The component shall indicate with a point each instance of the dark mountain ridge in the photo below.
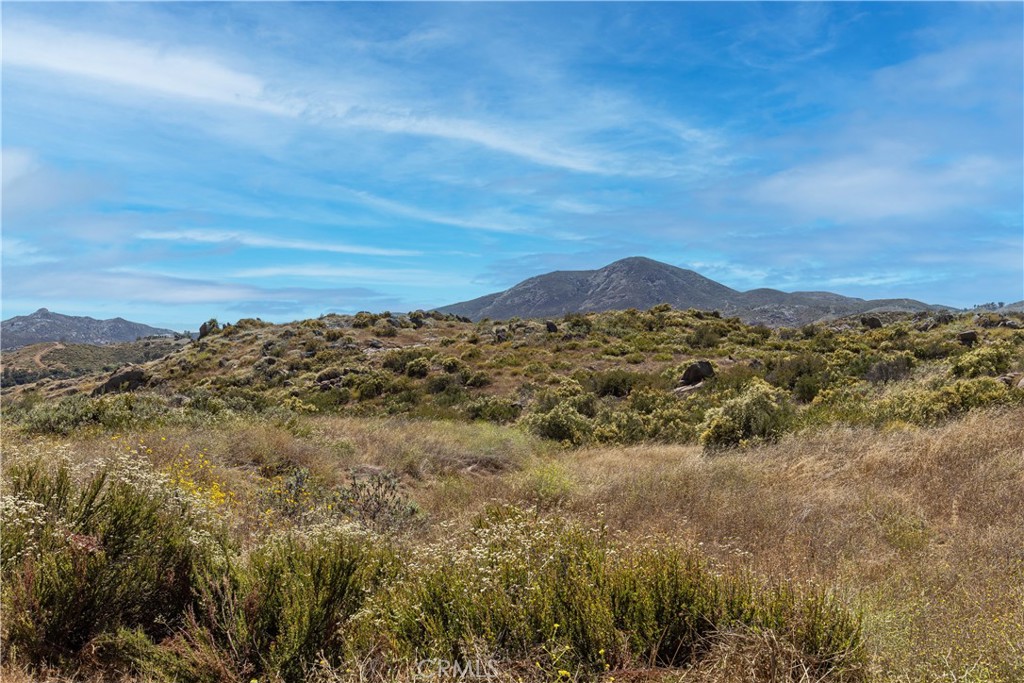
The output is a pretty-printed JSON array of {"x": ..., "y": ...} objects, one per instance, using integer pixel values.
[
  {"x": 641, "y": 283},
  {"x": 46, "y": 326}
]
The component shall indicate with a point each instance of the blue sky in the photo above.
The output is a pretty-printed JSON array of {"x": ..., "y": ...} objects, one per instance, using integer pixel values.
[{"x": 171, "y": 162}]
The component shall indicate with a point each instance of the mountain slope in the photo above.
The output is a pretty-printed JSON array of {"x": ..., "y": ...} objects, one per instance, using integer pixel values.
[
  {"x": 641, "y": 283},
  {"x": 630, "y": 283},
  {"x": 46, "y": 326}
]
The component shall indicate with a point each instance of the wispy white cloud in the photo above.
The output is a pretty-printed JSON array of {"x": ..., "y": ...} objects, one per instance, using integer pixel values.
[
  {"x": 136, "y": 65},
  {"x": 408, "y": 276},
  {"x": 248, "y": 239},
  {"x": 551, "y": 139},
  {"x": 137, "y": 287},
  {"x": 891, "y": 277},
  {"x": 19, "y": 252},
  {"x": 30, "y": 184},
  {"x": 784, "y": 34},
  {"x": 495, "y": 221},
  {"x": 16, "y": 164},
  {"x": 498, "y": 138},
  {"x": 880, "y": 185}
]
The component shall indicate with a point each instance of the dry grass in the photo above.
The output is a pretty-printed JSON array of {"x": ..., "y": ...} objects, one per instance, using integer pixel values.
[{"x": 922, "y": 528}]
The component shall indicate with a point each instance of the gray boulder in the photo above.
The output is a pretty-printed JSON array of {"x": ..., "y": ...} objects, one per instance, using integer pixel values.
[
  {"x": 968, "y": 338},
  {"x": 697, "y": 373},
  {"x": 871, "y": 322}
]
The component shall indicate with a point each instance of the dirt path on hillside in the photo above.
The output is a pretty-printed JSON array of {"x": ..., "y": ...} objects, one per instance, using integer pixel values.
[{"x": 38, "y": 358}]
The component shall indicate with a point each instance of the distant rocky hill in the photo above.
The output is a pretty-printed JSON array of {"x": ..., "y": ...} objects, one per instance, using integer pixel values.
[
  {"x": 46, "y": 326},
  {"x": 642, "y": 283}
]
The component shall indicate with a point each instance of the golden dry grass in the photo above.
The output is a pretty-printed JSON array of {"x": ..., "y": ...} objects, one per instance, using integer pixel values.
[
  {"x": 921, "y": 528},
  {"x": 925, "y": 528}
]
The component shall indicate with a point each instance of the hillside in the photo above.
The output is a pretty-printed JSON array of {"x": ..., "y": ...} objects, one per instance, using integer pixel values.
[
  {"x": 415, "y": 484},
  {"x": 913, "y": 367},
  {"x": 642, "y": 283},
  {"x": 56, "y": 360},
  {"x": 46, "y": 326}
]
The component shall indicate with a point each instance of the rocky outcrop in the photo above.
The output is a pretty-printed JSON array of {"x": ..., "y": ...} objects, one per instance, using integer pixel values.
[{"x": 126, "y": 379}]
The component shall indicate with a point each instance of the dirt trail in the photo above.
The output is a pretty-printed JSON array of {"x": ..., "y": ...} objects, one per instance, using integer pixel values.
[{"x": 38, "y": 358}]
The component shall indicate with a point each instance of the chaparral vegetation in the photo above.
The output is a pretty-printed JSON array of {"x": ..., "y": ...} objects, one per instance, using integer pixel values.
[{"x": 637, "y": 495}]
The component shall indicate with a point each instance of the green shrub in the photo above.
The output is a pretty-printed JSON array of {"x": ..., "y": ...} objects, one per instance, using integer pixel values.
[
  {"x": 577, "y": 324},
  {"x": 803, "y": 373},
  {"x": 984, "y": 360},
  {"x": 452, "y": 365},
  {"x": 760, "y": 413},
  {"x": 382, "y": 328},
  {"x": 704, "y": 336},
  {"x": 733, "y": 379},
  {"x": 562, "y": 423},
  {"x": 117, "y": 550},
  {"x": 111, "y": 411},
  {"x": 478, "y": 380},
  {"x": 418, "y": 368},
  {"x": 648, "y": 415},
  {"x": 494, "y": 409},
  {"x": 930, "y": 406},
  {"x": 618, "y": 383},
  {"x": 279, "y": 611},
  {"x": 562, "y": 596},
  {"x": 363, "y": 319},
  {"x": 890, "y": 367},
  {"x": 368, "y": 385},
  {"x": 397, "y": 360}
]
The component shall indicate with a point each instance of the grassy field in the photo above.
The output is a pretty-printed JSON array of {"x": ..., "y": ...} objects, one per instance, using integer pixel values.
[{"x": 846, "y": 508}]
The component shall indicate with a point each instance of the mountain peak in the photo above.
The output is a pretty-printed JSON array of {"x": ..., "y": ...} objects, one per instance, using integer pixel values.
[
  {"x": 45, "y": 325},
  {"x": 635, "y": 261},
  {"x": 641, "y": 282}
]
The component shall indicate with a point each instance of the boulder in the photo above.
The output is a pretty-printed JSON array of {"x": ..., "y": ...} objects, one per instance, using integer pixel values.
[
  {"x": 697, "y": 373},
  {"x": 989, "y": 320},
  {"x": 1020, "y": 383},
  {"x": 128, "y": 379},
  {"x": 968, "y": 338},
  {"x": 871, "y": 322}
]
